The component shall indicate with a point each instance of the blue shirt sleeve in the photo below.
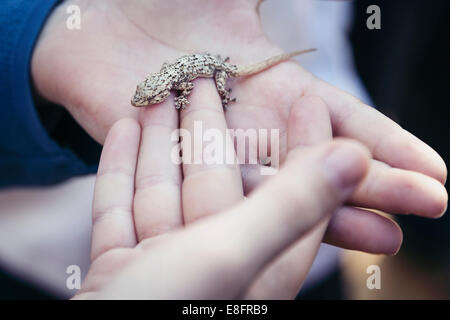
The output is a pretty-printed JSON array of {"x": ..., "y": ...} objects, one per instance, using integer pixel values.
[{"x": 28, "y": 155}]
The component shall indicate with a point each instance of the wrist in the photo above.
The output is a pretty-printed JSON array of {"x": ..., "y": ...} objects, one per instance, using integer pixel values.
[{"x": 43, "y": 64}]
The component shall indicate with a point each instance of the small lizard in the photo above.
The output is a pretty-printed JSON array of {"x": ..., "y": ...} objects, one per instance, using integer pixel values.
[{"x": 179, "y": 76}]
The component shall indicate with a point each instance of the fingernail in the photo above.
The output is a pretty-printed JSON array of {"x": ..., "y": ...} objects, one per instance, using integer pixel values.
[
  {"x": 395, "y": 237},
  {"x": 345, "y": 167}
]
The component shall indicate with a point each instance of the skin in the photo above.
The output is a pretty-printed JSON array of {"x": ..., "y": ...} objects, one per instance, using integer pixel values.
[
  {"x": 95, "y": 71},
  {"x": 222, "y": 255}
]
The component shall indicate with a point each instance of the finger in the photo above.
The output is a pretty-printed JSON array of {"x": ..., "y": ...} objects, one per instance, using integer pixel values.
[
  {"x": 308, "y": 124},
  {"x": 392, "y": 190},
  {"x": 387, "y": 141},
  {"x": 212, "y": 180},
  {"x": 252, "y": 177},
  {"x": 112, "y": 225},
  {"x": 284, "y": 276},
  {"x": 370, "y": 233},
  {"x": 363, "y": 230},
  {"x": 157, "y": 203},
  {"x": 399, "y": 191}
]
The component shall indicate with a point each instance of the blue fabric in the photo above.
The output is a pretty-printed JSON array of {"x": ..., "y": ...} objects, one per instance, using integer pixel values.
[{"x": 28, "y": 156}]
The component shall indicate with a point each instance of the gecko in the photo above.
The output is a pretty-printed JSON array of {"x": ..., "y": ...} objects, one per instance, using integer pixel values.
[{"x": 179, "y": 76}]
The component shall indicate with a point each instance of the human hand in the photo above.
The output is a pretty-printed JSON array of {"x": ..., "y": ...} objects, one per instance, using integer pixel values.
[
  {"x": 147, "y": 239},
  {"x": 95, "y": 70},
  {"x": 120, "y": 42}
]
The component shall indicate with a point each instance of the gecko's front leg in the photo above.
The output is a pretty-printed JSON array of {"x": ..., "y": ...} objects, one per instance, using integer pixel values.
[
  {"x": 184, "y": 89},
  {"x": 221, "y": 78}
]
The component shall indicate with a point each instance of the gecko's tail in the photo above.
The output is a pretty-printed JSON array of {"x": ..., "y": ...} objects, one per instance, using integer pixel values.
[{"x": 263, "y": 65}]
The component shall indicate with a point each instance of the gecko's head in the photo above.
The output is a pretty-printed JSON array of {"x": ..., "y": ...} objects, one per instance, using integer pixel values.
[{"x": 149, "y": 92}]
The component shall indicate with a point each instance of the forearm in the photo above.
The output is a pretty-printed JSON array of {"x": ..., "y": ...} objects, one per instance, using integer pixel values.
[{"x": 28, "y": 155}]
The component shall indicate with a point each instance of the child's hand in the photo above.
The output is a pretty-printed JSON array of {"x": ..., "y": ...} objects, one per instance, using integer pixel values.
[
  {"x": 145, "y": 243},
  {"x": 95, "y": 71}
]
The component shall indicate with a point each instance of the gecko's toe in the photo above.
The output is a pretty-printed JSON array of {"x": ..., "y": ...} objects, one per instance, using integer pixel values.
[{"x": 181, "y": 102}]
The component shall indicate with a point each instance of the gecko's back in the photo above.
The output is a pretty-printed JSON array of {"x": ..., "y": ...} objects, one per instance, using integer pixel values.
[
  {"x": 189, "y": 67},
  {"x": 180, "y": 74}
]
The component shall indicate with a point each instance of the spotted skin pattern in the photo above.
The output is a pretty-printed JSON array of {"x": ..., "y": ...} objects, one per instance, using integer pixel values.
[{"x": 179, "y": 76}]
